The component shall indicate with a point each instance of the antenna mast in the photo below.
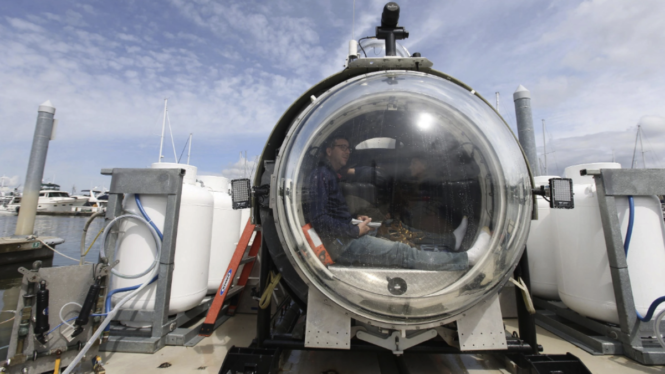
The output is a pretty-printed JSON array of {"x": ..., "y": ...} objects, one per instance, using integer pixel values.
[
  {"x": 497, "y": 102},
  {"x": 161, "y": 142},
  {"x": 189, "y": 152},
  {"x": 641, "y": 146},
  {"x": 544, "y": 147},
  {"x": 637, "y": 136}
]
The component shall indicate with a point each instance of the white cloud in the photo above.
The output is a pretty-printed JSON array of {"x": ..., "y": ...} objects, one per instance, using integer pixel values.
[
  {"x": 129, "y": 38},
  {"x": 12, "y": 181},
  {"x": 287, "y": 42},
  {"x": 243, "y": 168},
  {"x": 22, "y": 25},
  {"x": 230, "y": 71},
  {"x": 611, "y": 33}
]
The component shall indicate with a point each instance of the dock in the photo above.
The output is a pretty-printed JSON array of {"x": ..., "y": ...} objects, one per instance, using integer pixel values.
[{"x": 21, "y": 249}]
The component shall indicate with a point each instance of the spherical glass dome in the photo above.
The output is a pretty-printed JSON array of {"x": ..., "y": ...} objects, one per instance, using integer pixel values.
[{"x": 439, "y": 174}]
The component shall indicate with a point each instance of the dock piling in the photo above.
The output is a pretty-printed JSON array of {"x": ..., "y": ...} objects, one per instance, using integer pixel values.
[{"x": 33, "y": 179}]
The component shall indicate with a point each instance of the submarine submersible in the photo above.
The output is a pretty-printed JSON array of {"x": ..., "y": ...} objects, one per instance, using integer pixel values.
[{"x": 437, "y": 171}]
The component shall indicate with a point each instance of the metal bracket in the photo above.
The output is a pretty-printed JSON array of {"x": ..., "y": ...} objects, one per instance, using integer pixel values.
[
  {"x": 481, "y": 327},
  {"x": 31, "y": 275},
  {"x": 391, "y": 62},
  {"x": 326, "y": 326},
  {"x": 106, "y": 269},
  {"x": 448, "y": 335},
  {"x": 398, "y": 341}
]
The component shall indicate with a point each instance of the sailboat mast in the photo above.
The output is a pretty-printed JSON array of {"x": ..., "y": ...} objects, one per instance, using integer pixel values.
[
  {"x": 161, "y": 142},
  {"x": 641, "y": 146},
  {"x": 637, "y": 136},
  {"x": 544, "y": 147},
  {"x": 189, "y": 152}
]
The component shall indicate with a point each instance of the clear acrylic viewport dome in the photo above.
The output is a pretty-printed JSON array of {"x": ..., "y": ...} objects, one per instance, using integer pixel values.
[
  {"x": 427, "y": 155},
  {"x": 377, "y": 48}
]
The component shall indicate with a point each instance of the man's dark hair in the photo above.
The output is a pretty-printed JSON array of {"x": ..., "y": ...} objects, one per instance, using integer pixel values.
[
  {"x": 329, "y": 143},
  {"x": 333, "y": 139}
]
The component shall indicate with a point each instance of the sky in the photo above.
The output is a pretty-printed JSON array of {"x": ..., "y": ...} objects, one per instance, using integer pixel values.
[{"x": 595, "y": 70}]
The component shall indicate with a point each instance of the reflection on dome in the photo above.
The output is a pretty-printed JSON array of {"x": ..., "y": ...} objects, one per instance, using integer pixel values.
[
  {"x": 418, "y": 156},
  {"x": 377, "y": 48}
]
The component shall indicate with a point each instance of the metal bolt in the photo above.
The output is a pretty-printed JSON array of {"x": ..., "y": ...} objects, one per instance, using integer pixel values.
[{"x": 172, "y": 326}]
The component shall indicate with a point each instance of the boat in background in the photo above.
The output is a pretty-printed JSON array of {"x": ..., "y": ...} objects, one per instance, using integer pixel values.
[
  {"x": 91, "y": 196},
  {"x": 54, "y": 201},
  {"x": 10, "y": 206}
]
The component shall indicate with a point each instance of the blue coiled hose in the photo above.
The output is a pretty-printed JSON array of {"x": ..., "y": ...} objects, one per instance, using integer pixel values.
[
  {"x": 145, "y": 215},
  {"x": 626, "y": 244},
  {"x": 126, "y": 289}
]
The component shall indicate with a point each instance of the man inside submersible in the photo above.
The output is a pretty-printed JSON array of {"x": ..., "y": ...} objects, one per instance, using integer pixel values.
[{"x": 349, "y": 244}]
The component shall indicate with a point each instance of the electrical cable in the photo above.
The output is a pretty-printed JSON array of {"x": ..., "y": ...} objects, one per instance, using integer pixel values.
[
  {"x": 63, "y": 307},
  {"x": 155, "y": 235},
  {"x": 152, "y": 270},
  {"x": 267, "y": 293},
  {"x": 107, "y": 303},
  {"x": 8, "y": 311},
  {"x": 85, "y": 232},
  {"x": 361, "y": 46},
  {"x": 91, "y": 244},
  {"x": 105, "y": 323},
  {"x": 61, "y": 254},
  {"x": 62, "y": 323},
  {"x": 110, "y": 315}
]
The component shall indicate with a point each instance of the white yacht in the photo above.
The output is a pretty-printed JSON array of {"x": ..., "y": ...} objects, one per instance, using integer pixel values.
[
  {"x": 10, "y": 206},
  {"x": 52, "y": 200},
  {"x": 91, "y": 197}
]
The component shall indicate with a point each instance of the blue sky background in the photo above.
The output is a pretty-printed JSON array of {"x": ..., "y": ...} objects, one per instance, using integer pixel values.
[{"x": 230, "y": 69}]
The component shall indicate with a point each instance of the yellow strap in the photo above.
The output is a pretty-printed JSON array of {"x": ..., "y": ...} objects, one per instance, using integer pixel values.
[
  {"x": 93, "y": 242},
  {"x": 267, "y": 294},
  {"x": 56, "y": 370}
]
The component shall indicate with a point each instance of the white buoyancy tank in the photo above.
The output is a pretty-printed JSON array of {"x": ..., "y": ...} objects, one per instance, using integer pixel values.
[
  {"x": 244, "y": 218},
  {"x": 136, "y": 248},
  {"x": 584, "y": 279},
  {"x": 225, "y": 229},
  {"x": 542, "y": 246}
]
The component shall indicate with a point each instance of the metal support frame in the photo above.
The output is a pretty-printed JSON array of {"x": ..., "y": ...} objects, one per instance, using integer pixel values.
[
  {"x": 527, "y": 342},
  {"x": 632, "y": 337},
  {"x": 166, "y": 182},
  {"x": 526, "y": 321},
  {"x": 267, "y": 347}
]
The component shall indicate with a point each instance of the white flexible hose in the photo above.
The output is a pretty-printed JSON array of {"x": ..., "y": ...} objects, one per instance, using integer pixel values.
[
  {"x": 105, "y": 323},
  {"x": 111, "y": 315},
  {"x": 63, "y": 307},
  {"x": 107, "y": 230},
  {"x": 657, "y": 322}
]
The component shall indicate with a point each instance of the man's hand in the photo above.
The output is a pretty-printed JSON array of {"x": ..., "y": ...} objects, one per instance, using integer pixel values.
[{"x": 362, "y": 226}]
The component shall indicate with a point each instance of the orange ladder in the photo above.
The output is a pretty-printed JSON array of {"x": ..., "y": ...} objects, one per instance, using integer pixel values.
[{"x": 227, "y": 287}]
